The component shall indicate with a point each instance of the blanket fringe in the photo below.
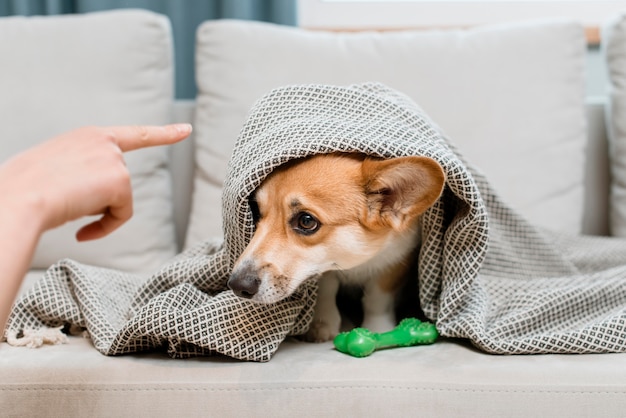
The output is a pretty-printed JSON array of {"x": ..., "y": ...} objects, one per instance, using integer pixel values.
[{"x": 34, "y": 338}]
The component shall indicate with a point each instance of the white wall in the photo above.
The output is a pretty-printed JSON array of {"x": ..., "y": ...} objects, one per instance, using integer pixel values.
[
  {"x": 448, "y": 13},
  {"x": 596, "y": 73}
]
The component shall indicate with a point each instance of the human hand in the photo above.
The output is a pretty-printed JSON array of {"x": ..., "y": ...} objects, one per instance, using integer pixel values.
[{"x": 80, "y": 173}]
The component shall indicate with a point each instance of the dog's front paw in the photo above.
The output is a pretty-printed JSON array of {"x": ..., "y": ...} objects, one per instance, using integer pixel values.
[
  {"x": 321, "y": 331},
  {"x": 379, "y": 323}
]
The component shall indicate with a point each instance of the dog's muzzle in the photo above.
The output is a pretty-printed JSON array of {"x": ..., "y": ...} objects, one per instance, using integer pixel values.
[{"x": 244, "y": 281}]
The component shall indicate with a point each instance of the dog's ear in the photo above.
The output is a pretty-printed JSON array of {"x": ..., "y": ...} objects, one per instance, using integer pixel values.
[{"x": 399, "y": 189}]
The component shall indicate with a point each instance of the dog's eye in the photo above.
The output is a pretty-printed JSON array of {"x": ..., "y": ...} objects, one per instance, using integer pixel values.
[{"x": 305, "y": 223}]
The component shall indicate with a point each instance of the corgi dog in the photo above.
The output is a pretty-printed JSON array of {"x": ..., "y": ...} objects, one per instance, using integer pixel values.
[{"x": 337, "y": 218}]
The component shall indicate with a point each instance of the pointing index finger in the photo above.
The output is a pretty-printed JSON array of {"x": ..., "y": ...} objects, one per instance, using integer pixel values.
[{"x": 130, "y": 138}]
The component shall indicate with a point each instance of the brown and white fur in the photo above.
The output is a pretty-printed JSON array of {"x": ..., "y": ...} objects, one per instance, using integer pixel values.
[{"x": 339, "y": 218}]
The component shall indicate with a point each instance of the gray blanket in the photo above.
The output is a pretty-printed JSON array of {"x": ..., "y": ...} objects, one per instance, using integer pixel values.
[{"x": 485, "y": 274}]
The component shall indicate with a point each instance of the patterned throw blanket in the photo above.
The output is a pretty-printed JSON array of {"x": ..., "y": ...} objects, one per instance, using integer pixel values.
[{"x": 485, "y": 274}]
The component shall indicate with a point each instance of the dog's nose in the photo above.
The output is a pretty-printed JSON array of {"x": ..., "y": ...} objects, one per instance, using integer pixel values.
[{"x": 244, "y": 283}]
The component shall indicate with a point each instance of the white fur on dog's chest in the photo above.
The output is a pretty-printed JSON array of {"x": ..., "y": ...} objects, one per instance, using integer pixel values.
[{"x": 395, "y": 251}]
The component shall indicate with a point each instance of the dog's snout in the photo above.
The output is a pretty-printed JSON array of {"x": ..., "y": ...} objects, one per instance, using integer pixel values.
[{"x": 244, "y": 283}]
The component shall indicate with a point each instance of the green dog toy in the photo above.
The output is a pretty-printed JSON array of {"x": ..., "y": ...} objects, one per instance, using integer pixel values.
[{"x": 361, "y": 342}]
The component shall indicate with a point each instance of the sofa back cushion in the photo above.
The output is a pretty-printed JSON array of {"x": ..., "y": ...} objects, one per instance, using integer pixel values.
[
  {"x": 112, "y": 68},
  {"x": 511, "y": 98}
]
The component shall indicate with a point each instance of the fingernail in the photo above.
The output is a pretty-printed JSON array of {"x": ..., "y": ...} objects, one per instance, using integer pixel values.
[{"x": 184, "y": 128}]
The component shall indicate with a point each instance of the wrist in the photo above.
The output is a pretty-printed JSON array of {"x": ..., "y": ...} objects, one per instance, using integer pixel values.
[
  {"x": 21, "y": 225},
  {"x": 21, "y": 216},
  {"x": 21, "y": 206}
]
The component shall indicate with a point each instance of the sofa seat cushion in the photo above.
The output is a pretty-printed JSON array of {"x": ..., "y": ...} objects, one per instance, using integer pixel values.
[
  {"x": 111, "y": 68},
  {"x": 448, "y": 379}
]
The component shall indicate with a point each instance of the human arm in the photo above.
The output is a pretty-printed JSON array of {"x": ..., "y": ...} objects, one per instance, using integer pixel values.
[{"x": 70, "y": 176}]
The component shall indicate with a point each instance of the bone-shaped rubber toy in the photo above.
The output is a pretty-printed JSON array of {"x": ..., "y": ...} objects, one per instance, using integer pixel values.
[{"x": 361, "y": 342}]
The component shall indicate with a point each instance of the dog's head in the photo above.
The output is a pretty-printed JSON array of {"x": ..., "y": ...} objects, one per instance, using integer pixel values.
[{"x": 330, "y": 212}]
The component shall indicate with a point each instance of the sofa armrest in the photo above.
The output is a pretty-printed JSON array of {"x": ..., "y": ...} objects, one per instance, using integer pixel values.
[{"x": 597, "y": 178}]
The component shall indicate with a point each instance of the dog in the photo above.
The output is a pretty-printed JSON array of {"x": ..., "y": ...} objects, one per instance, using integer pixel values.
[{"x": 337, "y": 218}]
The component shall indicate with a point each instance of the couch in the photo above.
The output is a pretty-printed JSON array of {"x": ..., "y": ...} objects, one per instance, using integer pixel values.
[{"x": 511, "y": 97}]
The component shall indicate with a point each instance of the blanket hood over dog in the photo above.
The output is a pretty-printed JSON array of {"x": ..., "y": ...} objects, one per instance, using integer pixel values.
[{"x": 484, "y": 273}]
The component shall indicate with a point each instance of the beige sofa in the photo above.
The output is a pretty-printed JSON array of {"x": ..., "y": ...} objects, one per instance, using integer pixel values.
[{"x": 512, "y": 97}]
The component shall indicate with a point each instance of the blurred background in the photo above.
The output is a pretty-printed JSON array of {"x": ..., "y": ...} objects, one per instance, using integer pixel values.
[{"x": 186, "y": 15}]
